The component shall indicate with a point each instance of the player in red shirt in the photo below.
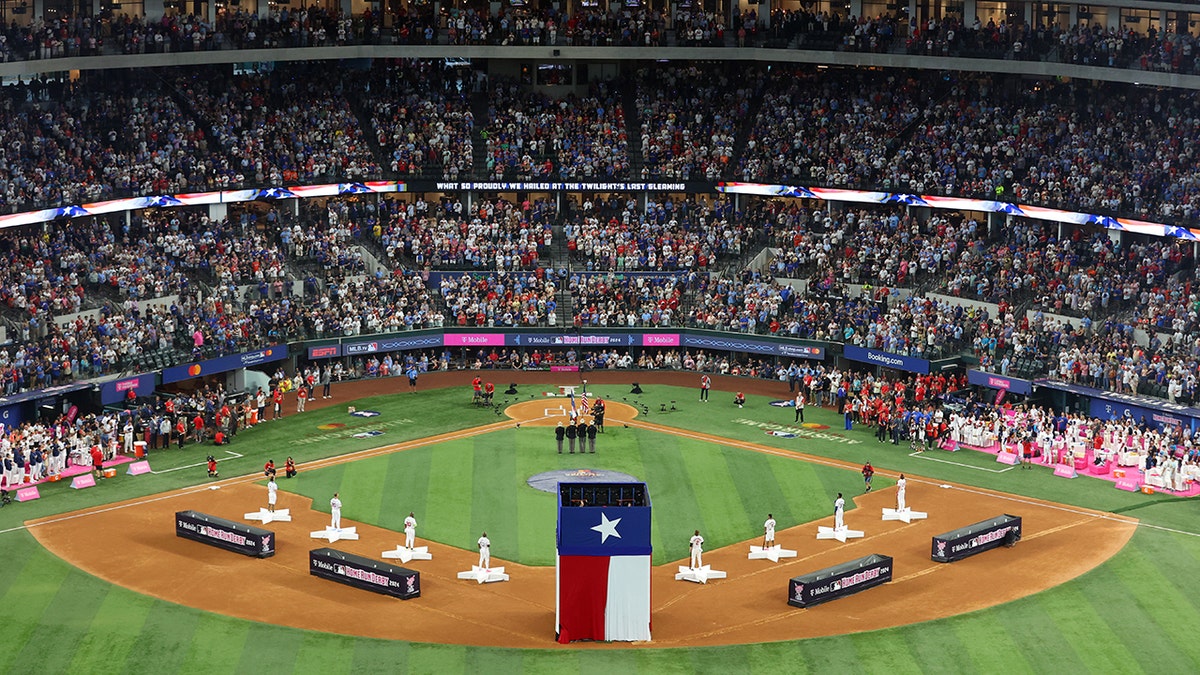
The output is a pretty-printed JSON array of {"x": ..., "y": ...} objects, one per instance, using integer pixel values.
[{"x": 477, "y": 386}]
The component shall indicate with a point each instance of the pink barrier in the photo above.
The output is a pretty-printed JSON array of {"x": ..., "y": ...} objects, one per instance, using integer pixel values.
[
  {"x": 1006, "y": 458},
  {"x": 82, "y": 481},
  {"x": 138, "y": 468},
  {"x": 28, "y": 494},
  {"x": 1064, "y": 471},
  {"x": 1127, "y": 484}
]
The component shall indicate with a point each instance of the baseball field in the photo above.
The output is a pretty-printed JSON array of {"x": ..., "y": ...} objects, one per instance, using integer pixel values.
[{"x": 95, "y": 580}]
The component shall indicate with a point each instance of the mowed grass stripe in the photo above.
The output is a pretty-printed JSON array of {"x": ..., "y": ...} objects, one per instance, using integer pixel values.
[
  {"x": 32, "y": 592},
  {"x": 806, "y": 495},
  {"x": 320, "y": 485},
  {"x": 325, "y": 654},
  {"x": 285, "y": 644},
  {"x": 594, "y": 662},
  {"x": 935, "y": 646},
  {"x": 19, "y": 551},
  {"x": 673, "y": 526},
  {"x": 379, "y": 656},
  {"x": 217, "y": 645},
  {"x": 449, "y": 494},
  {"x": 1046, "y": 647},
  {"x": 363, "y": 495},
  {"x": 427, "y": 659},
  {"x": 885, "y": 651},
  {"x": 534, "y": 507},
  {"x": 988, "y": 646},
  {"x": 715, "y": 492},
  {"x": 759, "y": 491},
  {"x": 771, "y": 657},
  {"x": 1144, "y": 577},
  {"x": 829, "y": 655},
  {"x": 406, "y": 484},
  {"x": 1097, "y": 645},
  {"x": 170, "y": 635},
  {"x": 664, "y": 661},
  {"x": 493, "y": 661},
  {"x": 494, "y": 505},
  {"x": 1122, "y": 609},
  {"x": 65, "y": 621},
  {"x": 113, "y": 632}
]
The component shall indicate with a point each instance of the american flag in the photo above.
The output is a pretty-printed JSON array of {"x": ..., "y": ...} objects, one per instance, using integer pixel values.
[{"x": 583, "y": 402}]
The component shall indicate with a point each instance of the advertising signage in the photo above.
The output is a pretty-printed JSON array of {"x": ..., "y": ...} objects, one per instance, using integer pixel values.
[
  {"x": 227, "y": 534},
  {"x": 324, "y": 352},
  {"x": 365, "y": 573},
  {"x": 115, "y": 391},
  {"x": 839, "y": 581},
  {"x": 1013, "y": 385},
  {"x": 224, "y": 364},
  {"x": 734, "y": 343},
  {"x": 982, "y": 536},
  {"x": 909, "y": 364},
  {"x": 590, "y": 340},
  {"x": 392, "y": 344}
]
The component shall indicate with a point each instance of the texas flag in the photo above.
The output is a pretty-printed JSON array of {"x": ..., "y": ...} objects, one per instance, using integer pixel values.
[{"x": 603, "y": 573}]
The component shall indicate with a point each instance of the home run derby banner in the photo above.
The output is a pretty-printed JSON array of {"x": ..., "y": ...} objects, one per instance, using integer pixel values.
[
  {"x": 226, "y": 534},
  {"x": 603, "y": 564},
  {"x": 977, "y": 538},
  {"x": 840, "y": 580},
  {"x": 365, "y": 573}
]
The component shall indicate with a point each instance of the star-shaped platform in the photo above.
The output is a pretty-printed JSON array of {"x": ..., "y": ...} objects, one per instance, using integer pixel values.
[
  {"x": 484, "y": 575},
  {"x": 841, "y": 534},
  {"x": 268, "y": 516},
  {"x": 772, "y": 553},
  {"x": 406, "y": 554},
  {"x": 699, "y": 575},
  {"x": 334, "y": 534},
  {"x": 906, "y": 514}
]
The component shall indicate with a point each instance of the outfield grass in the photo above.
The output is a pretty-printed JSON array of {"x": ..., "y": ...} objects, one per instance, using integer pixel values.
[{"x": 1135, "y": 613}]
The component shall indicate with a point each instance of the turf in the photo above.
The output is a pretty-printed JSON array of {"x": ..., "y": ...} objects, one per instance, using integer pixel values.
[
  {"x": 481, "y": 485},
  {"x": 1134, "y": 613},
  {"x": 1129, "y": 615}
]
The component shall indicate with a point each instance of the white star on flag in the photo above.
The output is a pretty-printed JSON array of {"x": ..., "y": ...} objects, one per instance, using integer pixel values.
[{"x": 607, "y": 528}]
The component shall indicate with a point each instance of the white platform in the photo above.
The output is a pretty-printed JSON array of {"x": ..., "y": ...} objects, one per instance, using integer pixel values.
[
  {"x": 907, "y": 515},
  {"x": 772, "y": 553},
  {"x": 699, "y": 575},
  {"x": 484, "y": 576},
  {"x": 278, "y": 515},
  {"x": 841, "y": 534},
  {"x": 406, "y": 554},
  {"x": 333, "y": 534}
]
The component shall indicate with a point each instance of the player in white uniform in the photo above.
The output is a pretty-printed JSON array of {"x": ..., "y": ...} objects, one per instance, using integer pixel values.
[
  {"x": 697, "y": 543},
  {"x": 410, "y": 531},
  {"x": 335, "y": 509},
  {"x": 901, "y": 486},
  {"x": 272, "y": 493},
  {"x": 485, "y": 551},
  {"x": 839, "y": 507},
  {"x": 769, "y": 531}
]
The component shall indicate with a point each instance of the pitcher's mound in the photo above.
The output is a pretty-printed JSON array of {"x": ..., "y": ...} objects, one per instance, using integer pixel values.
[{"x": 547, "y": 412}]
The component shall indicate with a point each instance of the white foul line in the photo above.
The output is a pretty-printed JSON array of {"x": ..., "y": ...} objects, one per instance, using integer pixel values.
[
  {"x": 192, "y": 466},
  {"x": 921, "y": 455}
]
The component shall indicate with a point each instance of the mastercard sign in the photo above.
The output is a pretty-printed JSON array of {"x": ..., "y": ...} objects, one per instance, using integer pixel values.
[{"x": 194, "y": 369}]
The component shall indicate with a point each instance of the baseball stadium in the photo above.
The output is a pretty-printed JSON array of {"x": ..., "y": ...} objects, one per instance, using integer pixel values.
[{"x": 649, "y": 336}]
